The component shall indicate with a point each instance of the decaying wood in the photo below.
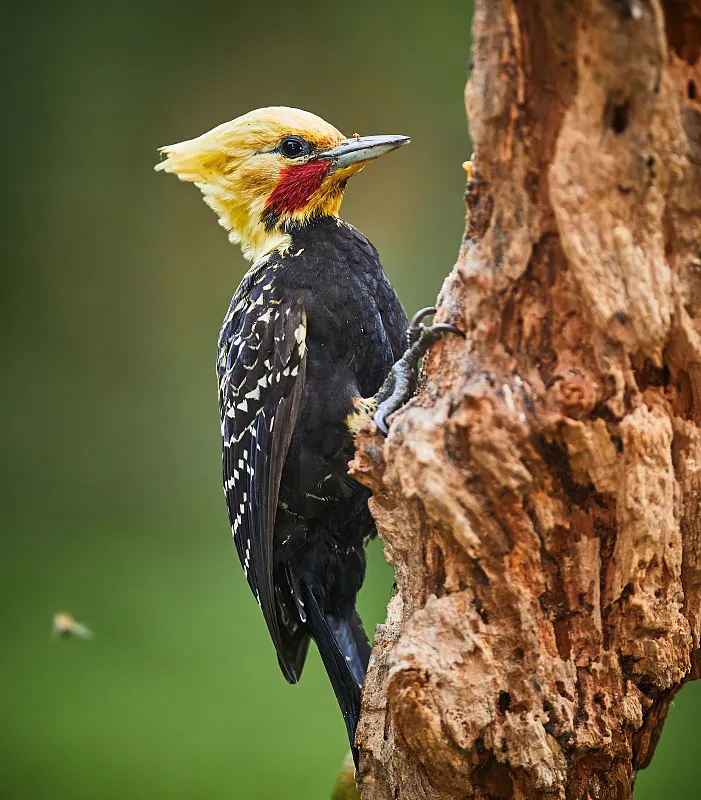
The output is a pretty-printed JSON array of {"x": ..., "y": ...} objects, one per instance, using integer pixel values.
[{"x": 540, "y": 499}]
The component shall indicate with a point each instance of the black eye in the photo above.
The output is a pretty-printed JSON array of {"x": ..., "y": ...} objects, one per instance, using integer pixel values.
[{"x": 293, "y": 147}]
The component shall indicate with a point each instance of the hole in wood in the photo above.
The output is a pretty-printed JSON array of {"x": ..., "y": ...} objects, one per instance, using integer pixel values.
[{"x": 616, "y": 115}]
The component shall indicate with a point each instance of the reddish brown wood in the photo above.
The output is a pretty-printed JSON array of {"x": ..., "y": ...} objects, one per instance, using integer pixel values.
[{"x": 540, "y": 499}]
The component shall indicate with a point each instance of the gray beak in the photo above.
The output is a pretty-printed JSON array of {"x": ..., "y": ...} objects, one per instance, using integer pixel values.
[{"x": 352, "y": 151}]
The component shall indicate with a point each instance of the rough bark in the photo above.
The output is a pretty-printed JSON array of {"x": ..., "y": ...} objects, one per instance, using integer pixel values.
[{"x": 540, "y": 498}]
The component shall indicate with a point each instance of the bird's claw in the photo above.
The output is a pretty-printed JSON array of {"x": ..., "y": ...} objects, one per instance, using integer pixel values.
[
  {"x": 413, "y": 332},
  {"x": 380, "y": 421},
  {"x": 416, "y": 327},
  {"x": 421, "y": 314},
  {"x": 440, "y": 328},
  {"x": 401, "y": 380}
]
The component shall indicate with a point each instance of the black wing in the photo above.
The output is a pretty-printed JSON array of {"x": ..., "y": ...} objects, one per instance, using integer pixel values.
[{"x": 261, "y": 370}]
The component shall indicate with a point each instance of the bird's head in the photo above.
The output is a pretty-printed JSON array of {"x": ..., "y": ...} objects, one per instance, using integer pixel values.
[{"x": 270, "y": 170}]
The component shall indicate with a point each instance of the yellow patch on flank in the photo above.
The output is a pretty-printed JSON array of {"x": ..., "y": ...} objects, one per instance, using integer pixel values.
[{"x": 363, "y": 410}]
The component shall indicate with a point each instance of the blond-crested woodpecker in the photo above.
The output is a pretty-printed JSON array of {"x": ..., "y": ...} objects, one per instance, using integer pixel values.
[{"x": 306, "y": 352}]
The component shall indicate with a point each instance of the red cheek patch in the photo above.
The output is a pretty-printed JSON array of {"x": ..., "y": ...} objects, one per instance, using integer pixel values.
[{"x": 297, "y": 184}]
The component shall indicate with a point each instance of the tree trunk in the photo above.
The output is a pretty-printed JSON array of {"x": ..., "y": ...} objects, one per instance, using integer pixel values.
[{"x": 540, "y": 498}]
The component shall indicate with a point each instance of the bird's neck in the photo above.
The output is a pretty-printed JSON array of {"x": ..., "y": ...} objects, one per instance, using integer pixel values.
[
  {"x": 252, "y": 226},
  {"x": 242, "y": 218}
]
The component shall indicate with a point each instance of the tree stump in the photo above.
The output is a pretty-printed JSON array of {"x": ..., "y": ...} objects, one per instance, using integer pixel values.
[{"x": 540, "y": 498}]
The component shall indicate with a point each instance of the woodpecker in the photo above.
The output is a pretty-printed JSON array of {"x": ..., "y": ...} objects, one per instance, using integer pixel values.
[{"x": 305, "y": 354}]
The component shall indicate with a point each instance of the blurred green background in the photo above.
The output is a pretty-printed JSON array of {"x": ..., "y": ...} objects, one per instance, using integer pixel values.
[{"x": 115, "y": 281}]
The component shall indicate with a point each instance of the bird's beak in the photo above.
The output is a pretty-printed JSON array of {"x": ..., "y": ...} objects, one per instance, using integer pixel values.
[{"x": 362, "y": 148}]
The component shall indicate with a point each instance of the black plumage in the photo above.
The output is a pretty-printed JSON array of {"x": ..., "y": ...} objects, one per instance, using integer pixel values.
[{"x": 309, "y": 331}]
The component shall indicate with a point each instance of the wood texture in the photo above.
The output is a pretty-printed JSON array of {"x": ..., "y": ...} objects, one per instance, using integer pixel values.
[{"x": 540, "y": 498}]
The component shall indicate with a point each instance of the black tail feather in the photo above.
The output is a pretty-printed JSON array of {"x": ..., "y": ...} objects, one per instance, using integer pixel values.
[
  {"x": 353, "y": 643},
  {"x": 345, "y": 651}
]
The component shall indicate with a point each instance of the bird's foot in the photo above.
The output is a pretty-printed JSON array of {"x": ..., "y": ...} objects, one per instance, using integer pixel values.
[{"x": 400, "y": 383}]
